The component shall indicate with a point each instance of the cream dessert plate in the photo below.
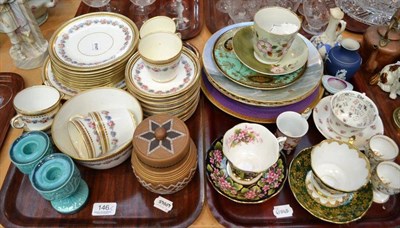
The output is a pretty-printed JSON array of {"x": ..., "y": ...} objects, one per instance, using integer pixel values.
[
  {"x": 294, "y": 59},
  {"x": 94, "y": 40},
  {"x": 296, "y": 92},
  {"x": 138, "y": 76},
  {"x": 321, "y": 113}
]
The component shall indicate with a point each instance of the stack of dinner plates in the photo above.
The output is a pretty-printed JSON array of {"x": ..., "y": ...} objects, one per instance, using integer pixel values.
[
  {"x": 178, "y": 97},
  {"x": 237, "y": 83},
  {"x": 91, "y": 51}
]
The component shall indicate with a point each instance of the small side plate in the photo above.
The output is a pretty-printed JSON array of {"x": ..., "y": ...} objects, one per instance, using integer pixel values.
[{"x": 334, "y": 84}]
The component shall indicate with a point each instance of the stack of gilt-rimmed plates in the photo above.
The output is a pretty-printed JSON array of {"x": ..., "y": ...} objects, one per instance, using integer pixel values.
[
  {"x": 178, "y": 97},
  {"x": 238, "y": 84},
  {"x": 91, "y": 51}
]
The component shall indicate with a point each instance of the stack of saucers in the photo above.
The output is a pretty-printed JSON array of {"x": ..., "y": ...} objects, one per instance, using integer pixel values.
[
  {"x": 92, "y": 50},
  {"x": 178, "y": 97}
]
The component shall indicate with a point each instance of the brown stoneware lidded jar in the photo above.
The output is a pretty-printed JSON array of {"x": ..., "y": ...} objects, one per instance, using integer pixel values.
[{"x": 164, "y": 157}]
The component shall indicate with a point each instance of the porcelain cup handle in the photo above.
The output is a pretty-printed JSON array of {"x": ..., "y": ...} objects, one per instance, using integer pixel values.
[
  {"x": 17, "y": 122},
  {"x": 62, "y": 95},
  {"x": 76, "y": 116},
  {"x": 133, "y": 116},
  {"x": 281, "y": 142},
  {"x": 351, "y": 140},
  {"x": 342, "y": 24}
]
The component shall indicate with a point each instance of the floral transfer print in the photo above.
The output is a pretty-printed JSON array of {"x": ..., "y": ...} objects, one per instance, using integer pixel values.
[
  {"x": 270, "y": 50},
  {"x": 111, "y": 124},
  {"x": 62, "y": 43},
  {"x": 270, "y": 183},
  {"x": 188, "y": 72},
  {"x": 159, "y": 69},
  {"x": 246, "y": 135},
  {"x": 42, "y": 120},
  {"x": 92, "y": 125}
]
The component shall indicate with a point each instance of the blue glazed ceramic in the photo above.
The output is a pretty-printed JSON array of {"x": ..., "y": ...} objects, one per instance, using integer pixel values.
[
  {"x": 58, "y": 180},
  {"x": 343, "y": 61},
  {"x": 27, "y": 150}
]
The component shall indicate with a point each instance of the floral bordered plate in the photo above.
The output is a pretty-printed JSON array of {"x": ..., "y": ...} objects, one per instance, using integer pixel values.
[
  {"x": 137, "y": 75},
  {"x": 354, "y": 210},
  {"x": 294, "y": 59},
  {"x": 269, "y": 185},
  {"x": 321, "y": 113},
  {"x": 229, "y": 64},
  {"x": 94, "y": 40},
  {"x": 296, "y": 92}
]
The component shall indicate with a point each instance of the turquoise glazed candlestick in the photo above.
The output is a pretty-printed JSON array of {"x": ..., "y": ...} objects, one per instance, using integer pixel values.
[
  {"x": 27, "y": 150},
  {"x": 58, "y": 180}
]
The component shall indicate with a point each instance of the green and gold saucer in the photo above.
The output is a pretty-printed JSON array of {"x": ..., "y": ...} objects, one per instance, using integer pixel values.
[
  {"x": 352, "y": 211},
  {"x": 295, "y": 58},
  {"x": 269, "y": 185},
  {"x": 229, "y": 64}
]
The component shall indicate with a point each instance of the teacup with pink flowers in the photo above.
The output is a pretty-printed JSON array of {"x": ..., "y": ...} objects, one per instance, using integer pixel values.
[{"x": 275, "y": 29}]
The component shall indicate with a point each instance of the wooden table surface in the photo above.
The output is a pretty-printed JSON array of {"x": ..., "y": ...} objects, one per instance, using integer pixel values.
[{"x": 64, "y": 11}]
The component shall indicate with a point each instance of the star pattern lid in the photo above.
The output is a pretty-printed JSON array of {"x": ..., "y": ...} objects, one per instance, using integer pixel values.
[{"x": 161, "y": 140}]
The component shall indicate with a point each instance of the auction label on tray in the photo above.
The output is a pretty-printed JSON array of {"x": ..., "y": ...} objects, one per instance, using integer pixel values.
[
  {"x": 283, "y": 211},
  {"x": 163, "y": 204},
  {"x": 103, "y": 209}
]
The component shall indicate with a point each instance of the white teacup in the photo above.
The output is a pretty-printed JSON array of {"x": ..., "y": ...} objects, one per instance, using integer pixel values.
[
  {"x": 161, "y": 54},
  {"x": 36, "y": 107},
  {"x": 101, "y": 132},
  {"x": 339, "y": 167},
  {"x": 293, "y": 126},
  {"x": 157, "y": 24},
  {"x": 275, "y": 29},
  {"x": 385, "y": 181},
  {"x": 250, "y": 150},
  {"x": 351, "y": 112},
  {"x": 381, "y": 148}
]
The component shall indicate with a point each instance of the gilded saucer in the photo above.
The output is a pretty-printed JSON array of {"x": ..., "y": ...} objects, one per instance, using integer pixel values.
[
  {"x": 294, "y": 59},
  {"x": 268, "y": 186},
  {"x": 94, "y": 41},
  {"x": 323, "y": 197},
  {"x": 321, "y": 113},
  {"x": 138, "y": 78},
  {"x": 229, "y": 64},
  {"x": 352, "y": 211}
]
